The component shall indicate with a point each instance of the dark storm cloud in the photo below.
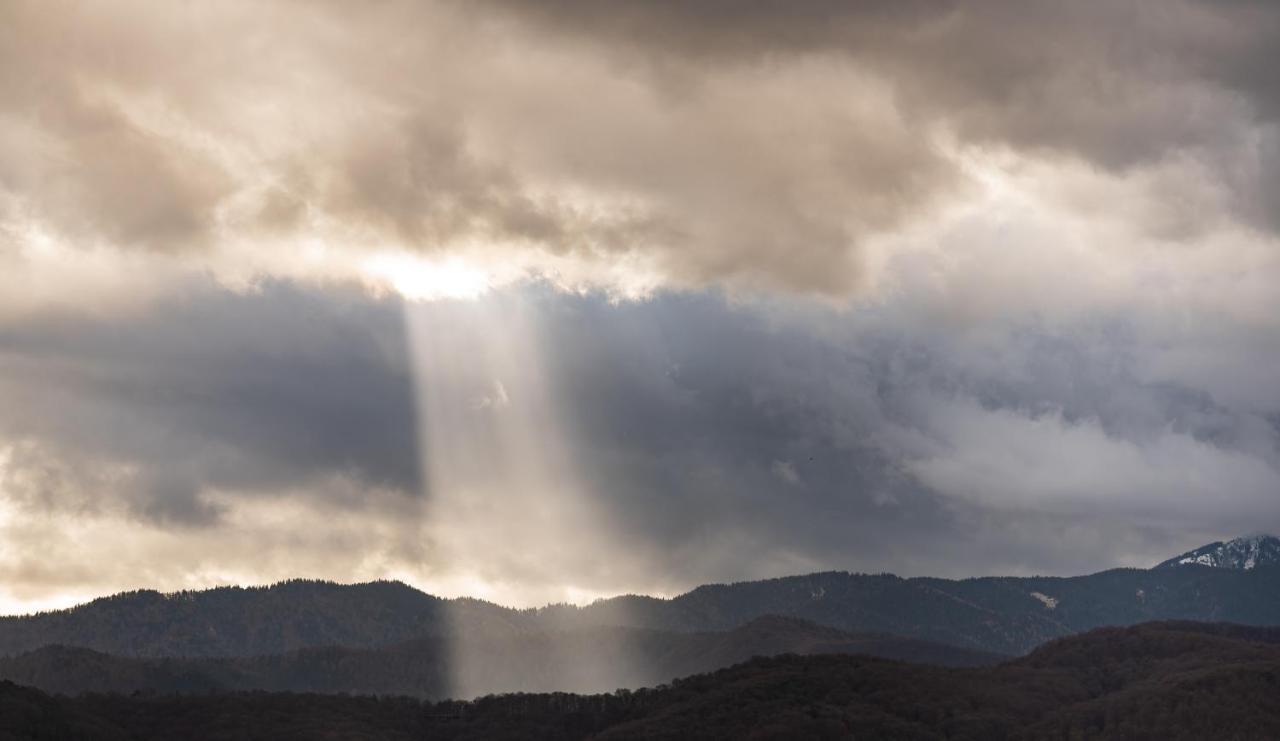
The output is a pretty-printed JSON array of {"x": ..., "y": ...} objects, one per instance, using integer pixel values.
[
  {"x": 278, "y": 388},
  {"x": 818, "y": 434},
  {"x": 1035, "y": 73},
  {"x": 711, "y": 440}
]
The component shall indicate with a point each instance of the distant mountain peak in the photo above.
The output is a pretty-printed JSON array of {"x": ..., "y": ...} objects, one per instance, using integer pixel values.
[{"x": 1242, "y": 553}]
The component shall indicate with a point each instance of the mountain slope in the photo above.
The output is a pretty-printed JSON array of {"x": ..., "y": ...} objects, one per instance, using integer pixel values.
[
  {"x": 1001, "y": 614},
  {"x": 1153, "y": 681},
  {"x": 26, "y": 713},
  {"x": 1168, "y": 681},
  {"x": 239, "y": 621},
  {"x": 1241, "y": 553},
  {"x": 588, "y": 660}
]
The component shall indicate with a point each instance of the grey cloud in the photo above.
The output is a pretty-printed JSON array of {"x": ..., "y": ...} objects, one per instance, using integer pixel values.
[
  {"x": 253, "y": 392},
  {"x": 74, "y": 155},
  {"x": 856, "y": 402},
  {"x": 674, "y": 413},
  {"x": 757, "y": 143},
  {"x": 314, "y": 121},
  {"x": 1120, "y": 85},
  {"x": 416, "y": 178}
]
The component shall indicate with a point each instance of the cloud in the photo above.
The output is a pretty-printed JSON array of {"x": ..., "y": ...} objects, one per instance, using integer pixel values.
[
  {"x": 1042, "y": 234},
  {"x": 151, "y": 129},
  {"x": 1120, "y": 85},
  {"x": 1044, "y": 463},
  {"x": 744, "y": 144},
  {"x": 786, "y": 471},
  {"x": 654, "y": 445},
  {"x": 219, "y": 390}
]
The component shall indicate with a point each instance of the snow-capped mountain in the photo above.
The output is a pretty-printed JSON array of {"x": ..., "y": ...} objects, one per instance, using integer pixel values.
[{"x": 1241, "y": 553}]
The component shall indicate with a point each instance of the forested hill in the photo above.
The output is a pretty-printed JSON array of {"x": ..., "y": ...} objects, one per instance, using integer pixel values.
[
  {"x": 1002, "y": 614},
  {"x": 1170, "y": 681},
  {"x": 1009, "y": 615},
  {"x": 235, "y": 621},
  {"x": 587, "y": 660}
]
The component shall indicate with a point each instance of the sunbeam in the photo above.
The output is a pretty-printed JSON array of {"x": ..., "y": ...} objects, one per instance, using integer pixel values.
[{"x": 505, "y": 511}]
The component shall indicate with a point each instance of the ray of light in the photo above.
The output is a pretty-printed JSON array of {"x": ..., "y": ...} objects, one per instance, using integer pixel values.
[{"x": 506, "y": 513}]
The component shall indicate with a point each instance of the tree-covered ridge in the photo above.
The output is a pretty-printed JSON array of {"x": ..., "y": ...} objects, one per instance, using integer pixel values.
[
  {"x": 1010, "y": 615},
  {"x": 584, "y": 660},
  {"x": 233, "y": 621},
  {"x": 1154, "y": 681},
  {"x": 1157, "y": 681}
]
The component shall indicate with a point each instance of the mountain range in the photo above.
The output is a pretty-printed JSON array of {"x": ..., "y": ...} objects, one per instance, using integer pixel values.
[
  {"x": 386, "y": 637},
  {"x": 1006, "y": 615}
]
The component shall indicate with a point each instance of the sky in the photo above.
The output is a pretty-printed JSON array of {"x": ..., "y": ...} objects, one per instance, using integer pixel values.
[{"x": 550, "y": 301}]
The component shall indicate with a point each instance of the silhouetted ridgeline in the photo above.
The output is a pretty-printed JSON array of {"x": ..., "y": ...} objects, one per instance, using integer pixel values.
[
  {"x": 1155, "y": 681},
  {"x": 235, "y": 621},
  {"x": 587, "y": 660},
  {"x": 996, "y": 614}
]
